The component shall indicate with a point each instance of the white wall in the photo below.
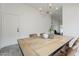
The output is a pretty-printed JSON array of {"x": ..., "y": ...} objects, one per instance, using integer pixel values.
[
  {"x": 33, "y": 22},
  {"x": 0, "y": 28},
  {"x": 71, "y": 19},
  {"x": 0, "y": 24},
  {"x": 29, "y": 20}
]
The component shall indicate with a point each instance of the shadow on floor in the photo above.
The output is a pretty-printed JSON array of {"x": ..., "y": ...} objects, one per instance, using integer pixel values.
[{"x": 12, "y": 50}]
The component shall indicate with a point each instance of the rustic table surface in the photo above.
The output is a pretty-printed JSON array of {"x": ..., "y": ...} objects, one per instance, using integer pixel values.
[{"x": 40, "y": 46}]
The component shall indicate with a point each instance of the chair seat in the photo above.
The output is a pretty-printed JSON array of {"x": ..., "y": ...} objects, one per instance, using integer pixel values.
[
  {"x": 71, "y": 52},
  {"x": 74, "y": 50}
]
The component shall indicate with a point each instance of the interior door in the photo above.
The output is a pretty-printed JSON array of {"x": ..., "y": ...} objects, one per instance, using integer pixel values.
[{"x": 10, "y": 29}]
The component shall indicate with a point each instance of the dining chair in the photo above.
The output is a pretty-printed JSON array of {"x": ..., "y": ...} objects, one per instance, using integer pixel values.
[
  {"x": 33, "y": 35},
  {"x": 74, "y": 49}
]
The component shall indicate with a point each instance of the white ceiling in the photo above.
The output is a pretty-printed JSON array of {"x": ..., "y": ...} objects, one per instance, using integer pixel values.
[
  {"x": 45, "y": 7},
  {"x": 56, "y": 13}
]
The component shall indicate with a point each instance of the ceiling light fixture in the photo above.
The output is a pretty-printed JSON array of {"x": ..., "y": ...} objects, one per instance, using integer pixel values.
[
  {"x": 50, "y": 6},
  {"x": 49, "y": 9},
  {"x": 56, "y": 8},
  {"x": 40, "y": 9}
]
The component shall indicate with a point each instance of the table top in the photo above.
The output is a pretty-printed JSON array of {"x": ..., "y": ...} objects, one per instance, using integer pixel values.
[{"x": 41, "y": 46}]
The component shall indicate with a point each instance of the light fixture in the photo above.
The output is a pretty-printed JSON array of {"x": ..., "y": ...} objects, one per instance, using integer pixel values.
[
  {"x": 50, "y": 6},
  {"x": 40, "y": 9},
  {"x": 49, "y": 10},
  {"x": 56, "y": 8}
]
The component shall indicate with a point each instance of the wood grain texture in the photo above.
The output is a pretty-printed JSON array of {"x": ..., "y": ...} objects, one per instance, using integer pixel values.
[{"x": 40, "y": 46}]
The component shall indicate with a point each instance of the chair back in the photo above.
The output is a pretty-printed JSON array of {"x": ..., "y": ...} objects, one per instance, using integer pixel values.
[{"x": 33, "y": 35}]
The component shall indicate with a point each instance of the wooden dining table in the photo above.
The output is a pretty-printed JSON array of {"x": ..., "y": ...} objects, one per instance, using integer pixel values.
[{"x": 42, "y": 47}]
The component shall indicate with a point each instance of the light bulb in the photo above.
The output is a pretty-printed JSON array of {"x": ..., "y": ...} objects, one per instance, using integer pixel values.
[
  {"x": 56, "y": 8},
  {"x": 50, "y": 5},
  {"x": 40, "y": 9}
]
